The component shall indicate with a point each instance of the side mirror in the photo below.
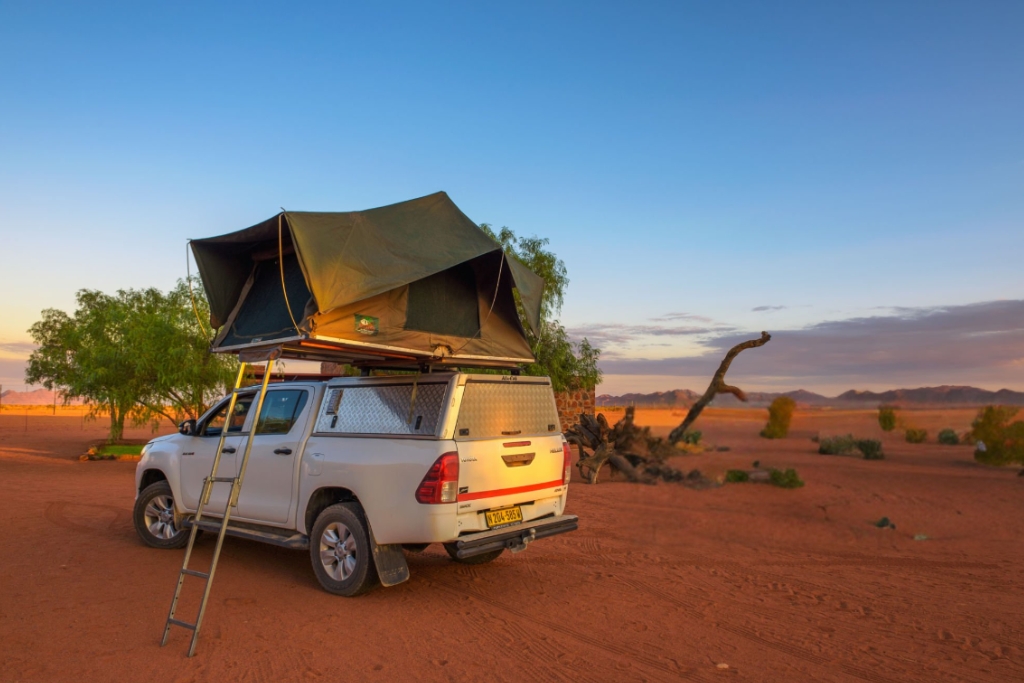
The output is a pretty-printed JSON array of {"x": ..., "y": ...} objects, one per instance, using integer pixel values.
[{"x": 188, "y": 428}]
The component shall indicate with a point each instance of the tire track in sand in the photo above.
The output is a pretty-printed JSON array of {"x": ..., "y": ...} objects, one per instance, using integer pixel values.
[
  {"x": 750, "y": 634},
  {"x": 676, "y": 671}
]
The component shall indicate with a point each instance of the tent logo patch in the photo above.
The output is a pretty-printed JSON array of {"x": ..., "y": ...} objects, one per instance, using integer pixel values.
[{"x": 367, "y": 324}]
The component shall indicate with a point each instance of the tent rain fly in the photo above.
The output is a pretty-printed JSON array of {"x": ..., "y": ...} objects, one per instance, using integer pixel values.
[{"x": 410, "y": 284}]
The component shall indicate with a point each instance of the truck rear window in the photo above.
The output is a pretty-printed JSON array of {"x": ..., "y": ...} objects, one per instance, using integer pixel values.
[{"x": 491, "y": 410}]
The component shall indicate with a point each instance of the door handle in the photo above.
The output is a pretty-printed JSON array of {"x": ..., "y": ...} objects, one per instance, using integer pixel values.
[
  {"x": 228, "y": 449},
  {"x": 283, "y": 451}
]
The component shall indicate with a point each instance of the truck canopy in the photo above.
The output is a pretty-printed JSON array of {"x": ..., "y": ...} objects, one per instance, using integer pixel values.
[{"x": 412, "y": 282}]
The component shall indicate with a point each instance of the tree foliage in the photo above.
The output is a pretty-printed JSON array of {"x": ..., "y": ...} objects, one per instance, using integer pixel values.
[
  {"x": 887, "y": 418},
  {"x": 1003, "y": 440},
  {"x": 570, "y": 365},
  {"x": 780, "y": 414},
  {"x": 137, "y": 354}
]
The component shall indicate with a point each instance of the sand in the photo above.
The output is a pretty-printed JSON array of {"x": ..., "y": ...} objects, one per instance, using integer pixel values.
[{"x": 744, "y": 582}]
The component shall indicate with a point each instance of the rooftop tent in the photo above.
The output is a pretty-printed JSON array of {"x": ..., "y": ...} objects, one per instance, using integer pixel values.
[{"x": 414, "y": 282}]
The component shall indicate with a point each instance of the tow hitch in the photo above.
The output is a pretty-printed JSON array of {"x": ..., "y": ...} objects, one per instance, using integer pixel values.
[{"x": 514, "y": 538}]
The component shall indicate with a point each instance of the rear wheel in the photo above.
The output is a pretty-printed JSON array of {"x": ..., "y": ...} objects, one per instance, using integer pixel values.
[
  {"x": 340, "y": 551},
  {"x": 476, "y": 559},
  {"x": 154, "y": 518}
]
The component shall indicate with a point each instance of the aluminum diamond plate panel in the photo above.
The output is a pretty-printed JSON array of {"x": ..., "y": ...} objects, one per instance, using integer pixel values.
[
  {"x": 495, "y": 409},
  {"x": 381, "y": 410}
]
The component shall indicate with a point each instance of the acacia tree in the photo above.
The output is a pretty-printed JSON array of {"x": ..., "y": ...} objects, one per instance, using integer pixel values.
[
  {"x": 87, "y": 356},
  {"x": 569, "y": 365},
  {"x": 138, "y": 354}
]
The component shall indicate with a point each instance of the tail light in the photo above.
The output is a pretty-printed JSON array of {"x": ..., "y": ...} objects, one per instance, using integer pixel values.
[
  {"x": 441, "y": 483},
  {"x": 566, "y": 462}
]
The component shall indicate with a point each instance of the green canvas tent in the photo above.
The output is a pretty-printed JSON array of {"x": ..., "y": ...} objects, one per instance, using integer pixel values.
[{"x": 412, "y": 283}]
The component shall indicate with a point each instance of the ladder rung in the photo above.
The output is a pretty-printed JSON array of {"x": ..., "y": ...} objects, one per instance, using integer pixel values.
[
  {"x": 223, "y": 479},
  {"x": 193, "y": 572},
  {"x": 183, "y": 624}
]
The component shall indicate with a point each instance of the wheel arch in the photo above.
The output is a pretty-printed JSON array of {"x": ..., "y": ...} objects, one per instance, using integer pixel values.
[
  {"x": 150, "y": 477},
  {"x": 323, "y": 498}
]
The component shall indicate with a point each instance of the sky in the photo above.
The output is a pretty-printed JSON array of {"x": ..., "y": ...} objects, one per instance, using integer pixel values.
[{"x": 848, "y": 177}]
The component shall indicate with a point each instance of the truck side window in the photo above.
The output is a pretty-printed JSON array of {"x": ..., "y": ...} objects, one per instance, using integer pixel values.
[
  {"x": 280, "y": 411},
  {"x": 216, "y": 423}
]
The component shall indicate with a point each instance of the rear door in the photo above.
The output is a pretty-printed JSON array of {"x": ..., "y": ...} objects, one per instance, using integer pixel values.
[
  {"x": 509, "y": 441},
  {"x": 269, "y": 486}
]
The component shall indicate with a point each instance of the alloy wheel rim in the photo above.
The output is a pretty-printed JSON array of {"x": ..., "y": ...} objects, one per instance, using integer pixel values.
[
  {"x": 159, "y": 517},
  {"x": 338, "y": 551}
]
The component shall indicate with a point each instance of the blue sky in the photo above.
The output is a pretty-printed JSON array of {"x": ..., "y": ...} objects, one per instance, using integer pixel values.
[{"x": 689, "y": 161}]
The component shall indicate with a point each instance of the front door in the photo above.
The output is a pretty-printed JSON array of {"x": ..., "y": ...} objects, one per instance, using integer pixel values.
[
  {"x": 197, "y": 457},
  {"x": 269, "y": 484}
]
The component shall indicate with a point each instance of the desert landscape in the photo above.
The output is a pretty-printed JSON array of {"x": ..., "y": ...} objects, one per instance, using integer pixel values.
[{"x": 742, "y": 582}]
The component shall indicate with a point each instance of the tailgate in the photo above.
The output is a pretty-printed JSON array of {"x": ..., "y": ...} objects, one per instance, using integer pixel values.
[{"x": 509, "y": 443}]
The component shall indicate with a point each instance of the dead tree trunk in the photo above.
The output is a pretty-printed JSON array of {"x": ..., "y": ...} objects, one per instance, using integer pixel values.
[
  {"x": 632, "y": 450},
  {"x": 717, "y": 386}
]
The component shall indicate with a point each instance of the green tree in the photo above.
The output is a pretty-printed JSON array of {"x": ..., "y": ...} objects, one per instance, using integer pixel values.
[
  {"x": 1003, "y": 440},
  {"x": 137, "y": 354},
  {"x": 887, "y": 418},
  {"x": 569, "y": 365},
  {"x": 172, "y": 352},
  {"x": 780, "y": 414}
]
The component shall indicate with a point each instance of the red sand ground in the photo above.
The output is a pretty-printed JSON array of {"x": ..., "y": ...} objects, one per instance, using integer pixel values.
[{"x": 660, "y": 583}]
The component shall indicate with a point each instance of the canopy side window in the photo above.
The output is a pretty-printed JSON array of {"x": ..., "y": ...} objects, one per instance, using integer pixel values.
[{"x": 385, "y": 409}]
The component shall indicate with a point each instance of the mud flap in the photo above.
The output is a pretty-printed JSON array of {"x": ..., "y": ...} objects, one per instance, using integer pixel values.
[{"x": 390, "y": 560}]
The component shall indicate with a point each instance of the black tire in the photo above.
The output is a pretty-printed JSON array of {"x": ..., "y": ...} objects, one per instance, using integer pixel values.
[
  {"x": 476, "y": 559},
  {"x": 340, "y": 551},
  {"x": 154, "y": 518}
]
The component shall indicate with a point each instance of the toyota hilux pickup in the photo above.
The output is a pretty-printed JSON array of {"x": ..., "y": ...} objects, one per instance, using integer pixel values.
[{"x": 360, "y": 470}]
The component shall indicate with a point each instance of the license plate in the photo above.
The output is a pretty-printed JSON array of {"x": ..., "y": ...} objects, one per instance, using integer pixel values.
[{"x": 496, "y": 518}]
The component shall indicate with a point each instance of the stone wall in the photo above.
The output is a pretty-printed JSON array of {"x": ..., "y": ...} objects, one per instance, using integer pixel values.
[{"x": 572, "y": 403}]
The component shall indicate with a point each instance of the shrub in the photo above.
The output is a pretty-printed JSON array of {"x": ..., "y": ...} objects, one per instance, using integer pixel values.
[
  {"x": 916, "y": 435},
  {"x": 787, "y": 479},
  {"x": 887, "y": 418},
  {"x": 948, "y": 437},
  {"x": 837, "y": 445},
  {"x": 736, "y": 476},
  {"x": 1003, "y": 440},
  {"x": 870, "y": 449},
  {"x": 780, "y": 413},
  {"x": 692, "y": 438}
]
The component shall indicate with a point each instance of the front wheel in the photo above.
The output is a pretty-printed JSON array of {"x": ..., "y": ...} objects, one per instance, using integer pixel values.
[
  {"x": 475, "y": 559},
  {"x": 339, "y": 548},
  {"x": 154, "y": 518}
]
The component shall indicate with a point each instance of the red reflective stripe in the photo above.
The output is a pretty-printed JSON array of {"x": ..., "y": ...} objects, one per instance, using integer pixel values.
[{"x": 508, "y": 492}]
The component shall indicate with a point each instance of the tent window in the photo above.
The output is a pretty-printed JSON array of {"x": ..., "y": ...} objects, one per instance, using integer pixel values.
[
  {"x": 263, "y": 314},
  {"x": 445, "y": 303}
]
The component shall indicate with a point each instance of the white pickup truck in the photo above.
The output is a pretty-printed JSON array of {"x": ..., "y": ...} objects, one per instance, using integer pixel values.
[{"x": 359, "y": 469}]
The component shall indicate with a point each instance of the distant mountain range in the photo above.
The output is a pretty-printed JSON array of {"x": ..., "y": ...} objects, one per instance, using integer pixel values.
[
  {"x": 925, "y": 396},
  {"x": 36, "y": 397}
]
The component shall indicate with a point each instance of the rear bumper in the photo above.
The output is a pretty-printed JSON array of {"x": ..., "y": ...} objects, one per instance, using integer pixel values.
[{"x": 514, "y": 538}]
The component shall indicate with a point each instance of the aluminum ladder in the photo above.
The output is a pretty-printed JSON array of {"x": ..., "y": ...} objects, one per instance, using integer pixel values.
[{"x": 204, "y": 498}]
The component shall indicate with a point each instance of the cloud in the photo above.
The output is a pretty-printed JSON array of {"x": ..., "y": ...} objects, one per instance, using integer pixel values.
[
  {"x": 981, "y": 342},
  {"x": 682, "y": 316},
  {"x": 759, "y": 309},
  {"x": 18, "y": 348},
  {"x": 616, "y": 333}
]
